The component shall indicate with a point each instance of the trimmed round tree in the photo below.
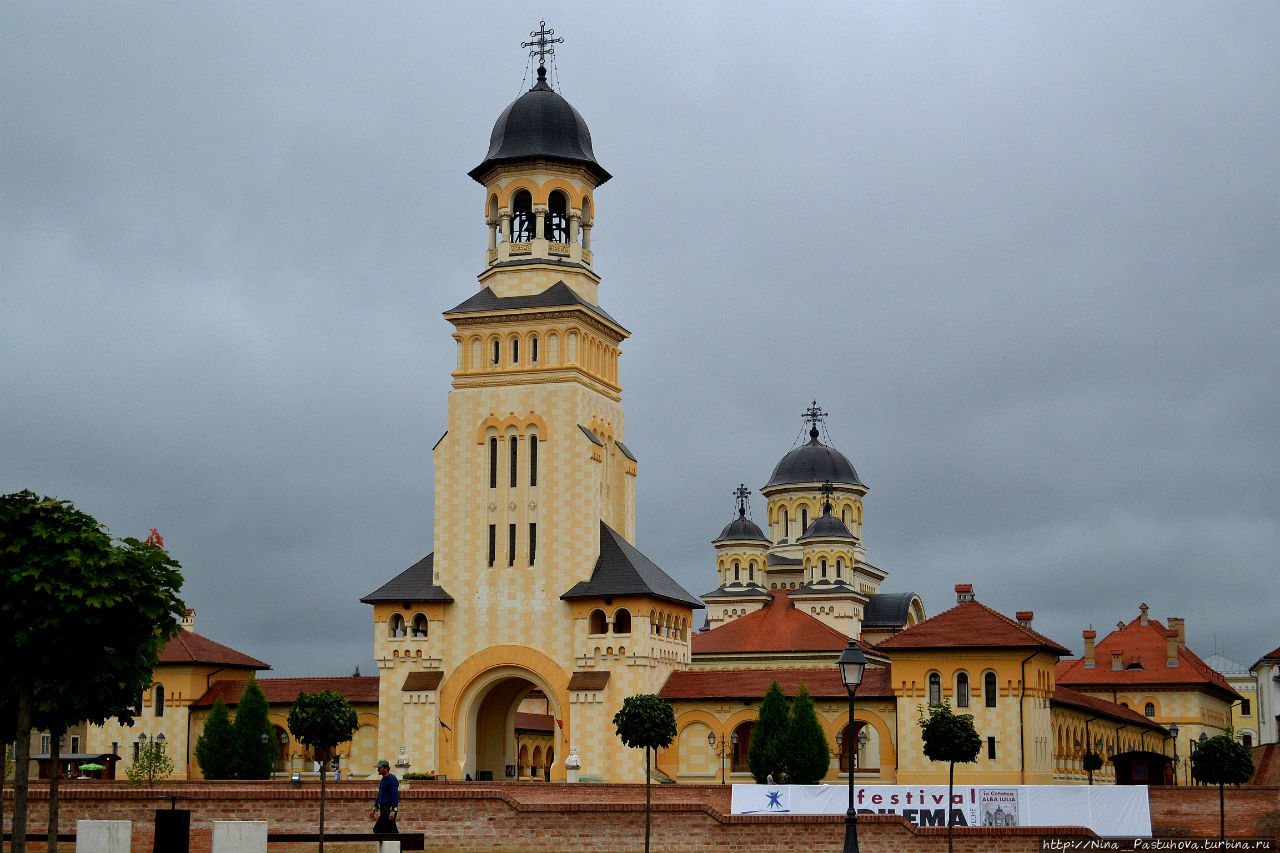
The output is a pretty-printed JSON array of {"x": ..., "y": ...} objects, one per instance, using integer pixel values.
[
  {"x": 949, "y": 737},
  {"x": 322, "y": 721},
  {"x": 1221, "y": 760},
  {"x": 646, "y": 721}
]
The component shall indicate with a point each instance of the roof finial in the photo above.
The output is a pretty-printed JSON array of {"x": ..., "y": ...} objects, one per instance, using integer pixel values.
[
  {"x": 541, "y": 38},
  {"x": 742, "y": 493},
  {"x": 814, "y": 416},
  {"x": 827, "y": 491}
]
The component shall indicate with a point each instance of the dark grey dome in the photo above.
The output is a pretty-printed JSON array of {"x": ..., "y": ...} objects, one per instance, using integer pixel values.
[
  {"x": 827, "y": 526},
  {"x": 741, "y": 528},
  {"x": 541, "y": 125},
  {"x": 814, "y": 463}
]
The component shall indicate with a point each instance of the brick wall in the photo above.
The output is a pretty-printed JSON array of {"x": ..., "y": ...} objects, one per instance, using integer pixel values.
[{"x": 481, "y": 818}]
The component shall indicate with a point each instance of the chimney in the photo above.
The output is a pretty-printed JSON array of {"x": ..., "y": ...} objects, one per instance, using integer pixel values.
[
  {"x": 1142, "y": 620},
  {"x": 188, "y": 620},
  {"x": 1025, "y": 617},
  {"x": 964, "y": 593},
  {"x": 1089, "y": 638},
  {"x": 1179, "y": 624},
  {"x": 1117, "y": 660},
  {"x": 1171, "y": 647}
]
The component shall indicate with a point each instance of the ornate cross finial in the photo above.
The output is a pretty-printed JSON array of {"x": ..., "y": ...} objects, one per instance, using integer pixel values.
[
  {"x": 742, "y": 493},
  {"x": 814, "y": 416},
  {"x": 541, "y": 38},
  {"x": 827, "y": 491}
]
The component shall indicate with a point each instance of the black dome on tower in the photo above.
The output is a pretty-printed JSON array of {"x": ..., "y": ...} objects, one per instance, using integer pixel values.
[
  {"x": 814, "y": 462},
  {"x": 541, "y": 125}
]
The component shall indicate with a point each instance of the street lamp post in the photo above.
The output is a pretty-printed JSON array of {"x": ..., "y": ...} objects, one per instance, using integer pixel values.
[
  {"x": 1173, "y": 733},
  {"x": 725, "y": 747},
  {"x": 853, "y": 663}
]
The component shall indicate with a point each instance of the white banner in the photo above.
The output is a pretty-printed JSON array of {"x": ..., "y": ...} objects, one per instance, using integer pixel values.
[{"x": 1108, "y": 810}]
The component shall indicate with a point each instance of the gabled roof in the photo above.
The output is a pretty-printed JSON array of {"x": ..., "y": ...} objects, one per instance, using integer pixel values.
[
  {"x": 357, "y": 689},
  {"x": 1074, "y": 698},
  {"x": 416, "y": 583},
  {"x": 189, "y": 647},
  {"x": 970, "y": 625},
  {"x": 1275, "y": 655},
  {"x": 1144, "y": 656},
  {"x": 558, "y": 295},
  {"x": 622, "y": 570},
  {"x": 776, "y": 627},
  {"x": 751, "y": 684}
]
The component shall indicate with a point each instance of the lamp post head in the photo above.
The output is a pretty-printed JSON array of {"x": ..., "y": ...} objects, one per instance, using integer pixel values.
[
  {"x": 852, "y": 665},
  {"x": 1173, "y": 731},
  {"x": 711, "y": 739},
  {"x": 734, "y": 738},
  {"x": 863, "y": 737}
]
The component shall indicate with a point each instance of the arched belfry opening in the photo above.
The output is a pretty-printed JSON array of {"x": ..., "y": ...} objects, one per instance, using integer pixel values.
[
  {"x": 494, "y": 712},
  {"x": 522, "y": 223},
  {"x": 557, "y": 229}
]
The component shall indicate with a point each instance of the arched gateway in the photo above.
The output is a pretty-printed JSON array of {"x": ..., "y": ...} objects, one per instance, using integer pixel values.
[{"x": 535, "y": 616}]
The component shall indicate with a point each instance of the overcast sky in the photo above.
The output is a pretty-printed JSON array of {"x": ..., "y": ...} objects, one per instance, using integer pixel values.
[{"x": 1026, "y": 255}]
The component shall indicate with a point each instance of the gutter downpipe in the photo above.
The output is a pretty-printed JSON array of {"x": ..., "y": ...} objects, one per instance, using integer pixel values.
[{"x": 1022, "y": 728}]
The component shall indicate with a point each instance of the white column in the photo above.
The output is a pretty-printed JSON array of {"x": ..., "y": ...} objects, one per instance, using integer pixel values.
[
  {"x": 103, "y": 836},
  {"x": 239, "y": 836}
]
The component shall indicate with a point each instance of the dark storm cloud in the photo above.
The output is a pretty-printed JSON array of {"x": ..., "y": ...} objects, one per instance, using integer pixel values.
[{"x": 1024, "y": 255}]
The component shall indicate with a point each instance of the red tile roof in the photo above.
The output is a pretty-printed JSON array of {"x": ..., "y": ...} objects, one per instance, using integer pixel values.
[
  {"x": 357, "y": 689},
  {"x": 970, "y": 625},
  {"x": 776, "y": 627},
  {"x": 535, "y": 722},
  {"x": 1067, "y": 696},
  {"x": 752, "y": 683},
  {"x": 189, "y": 647},
  {"x": 1275, "y": 655},
  {"x": 1145, "y": 645}
]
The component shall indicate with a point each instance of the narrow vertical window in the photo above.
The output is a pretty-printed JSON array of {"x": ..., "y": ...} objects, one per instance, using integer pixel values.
[
  {"x": 515, "y": 350},
  {"x": 514, "y": 443},
  {"x": 786, "y": 522},
  {"x": 159, "y": 701},
  {"x": 838, "y": 567},
  {"x": 989, "y": 689},
  {"x": 533, "y": 460},
  {"x": 493, "y": 543},
  {"x": 962, "y": 690},
  {"x": 497, "y": 353},
  {"x": 737, "y": 571},
  {"x": 511, "y": 544},
  {"x": 533, "y": 542},
  {"x": 935, "y": 689},
  {"x": 824, "y": 567},
  {"x": 991, "y": 748},
  {"x": 533, "y": 350},
  {"x": 751, "y": 571},
  {"x": 493, "y": 463},
  {"x": 804, "y": 520}
]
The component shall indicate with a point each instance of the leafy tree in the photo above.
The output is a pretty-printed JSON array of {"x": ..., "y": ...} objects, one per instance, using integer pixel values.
[
  {"x": 73, "y": 600},
  {"x": 152, "y": 763},
  {"x": 768, "y": 749},
  {"x": 1222, "y": 760},
  {"x": 645, "y": 721},
  {"x": 949, "y": 737},
  {"x": 251, "y": 757},
  {"x": 216, "y": 746},
  {"x": 808, "y": 756},
  {"x": 322, "y": 721}
]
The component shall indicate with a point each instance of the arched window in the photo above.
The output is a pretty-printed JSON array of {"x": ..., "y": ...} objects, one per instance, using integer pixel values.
[
  {"x": 159, "y": 700},
  {"x": 533, "y": 460},
  {"x": 989, "y": 689},
  {"x": 622, "y": 621},
  {"x": 497, "y": 352},
  {"x": 804, "y": 519},
  {"x": 824, "y": 567},
  {"x": 420, "y": 625},
  {"x": 838, "y": 566},
  {"x": 515, "y": 350},
  {"x": 962, "y": 690},
  {"x": 737, "y": 571},
  {"x": 1149, "y": 709},
  {"x": 395, "y": 626},
  {"x": 557, "y": 227},
  {"x": 784, "y": 531},
  {"x": 521, "y": 217},
  {"x": 751, "y": 571},
  {"x": 935, "y": 688},
  {"x": 596, "y": 623},
  {"x": 533, "y": 350},
  {"x": 493, "y": 463},
  {"x": 514, "y": 444}
]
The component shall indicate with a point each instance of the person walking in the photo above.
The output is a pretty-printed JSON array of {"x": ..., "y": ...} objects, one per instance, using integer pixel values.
[{"x": 386, "y": 805}]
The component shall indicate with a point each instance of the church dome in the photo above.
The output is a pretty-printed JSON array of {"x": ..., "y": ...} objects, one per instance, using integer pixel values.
[
  {"x": 741, "y": 528},
  {"x": 541, "y": 125},
  {"x": 814, "y": 463},
  {"x": 826, "y": 526}
]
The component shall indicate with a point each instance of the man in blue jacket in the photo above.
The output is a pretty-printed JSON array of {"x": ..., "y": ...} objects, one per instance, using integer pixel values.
[{"x": 387, "y": 804}]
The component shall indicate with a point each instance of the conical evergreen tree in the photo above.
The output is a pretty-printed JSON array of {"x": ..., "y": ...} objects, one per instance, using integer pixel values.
[
  {"x": 254, "y": 758},
  {"x": 216, "y": 746},
  {"x": 808, "y": 757},
  {"x": 768, "y": 748}
]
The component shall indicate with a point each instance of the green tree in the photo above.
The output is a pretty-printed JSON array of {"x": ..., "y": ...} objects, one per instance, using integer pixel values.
[
  {"x": 645, "y": 721},
  {"x": 152, "y": 763},
  {"x": 73, "y": 600},
  {"x": 216, "y": 746},
  {"x": 254, "y": 755},
  {"x": 808, "y": 755},
  {"x": 322, "y": 721},
  {"x": 767, "y": 753},
  {"x": 1222, "y": 760},
  {"x": 949, "y": 737}
]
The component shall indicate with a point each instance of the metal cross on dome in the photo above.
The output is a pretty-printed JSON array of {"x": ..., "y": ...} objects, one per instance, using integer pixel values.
[
  {"x": 827, "y": 491},
  {"x": 814, "y": 415},
  {"x": 541, "y": 38},
  {"x": 742, "y": 493}
]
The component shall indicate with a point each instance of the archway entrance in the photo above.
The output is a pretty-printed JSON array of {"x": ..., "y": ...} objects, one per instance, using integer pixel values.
[{"x": 507, "y": 710}]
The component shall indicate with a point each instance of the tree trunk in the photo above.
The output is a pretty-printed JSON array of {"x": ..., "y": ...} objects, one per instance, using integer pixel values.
[
  {"x": 55, "y": 780},
  {"x": 647, "y": 782},
  {"x": 324, "y": 764},
  {"x": 951, "y": 783},
  {"x": 22, "y": 760}
]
